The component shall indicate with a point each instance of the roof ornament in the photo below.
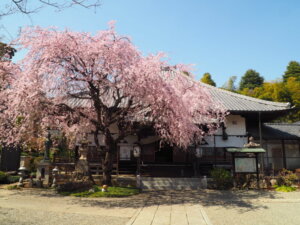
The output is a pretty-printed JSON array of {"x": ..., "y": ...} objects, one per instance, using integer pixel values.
[{"x": 251, "y": 143}]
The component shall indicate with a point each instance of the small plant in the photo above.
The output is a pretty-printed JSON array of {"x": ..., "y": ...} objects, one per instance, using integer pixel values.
[
  {"x": 284, "y": 188},
  {"x": 12, "y": 187},
  {"x": 287, "y": 178},
  {"x": 3, "y": 177},
  {"x": 222, "y": 178}
]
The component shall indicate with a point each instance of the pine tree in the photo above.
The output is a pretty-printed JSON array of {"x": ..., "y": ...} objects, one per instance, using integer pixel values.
[
  {"x": 251, "y": 80},
  {"x": 292, "y": 70}
]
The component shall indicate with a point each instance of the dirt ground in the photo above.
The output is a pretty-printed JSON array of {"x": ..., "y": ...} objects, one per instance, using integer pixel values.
[{"x": 41, "y": 207}]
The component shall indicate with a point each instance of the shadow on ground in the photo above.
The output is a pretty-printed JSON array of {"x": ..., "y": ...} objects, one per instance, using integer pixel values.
[{"x": 243, "y": 200}]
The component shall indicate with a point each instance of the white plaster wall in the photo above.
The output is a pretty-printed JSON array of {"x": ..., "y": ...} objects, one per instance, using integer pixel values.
[
  {"x": 232, "y": 141},
  {"x": 235, "y": 125}
]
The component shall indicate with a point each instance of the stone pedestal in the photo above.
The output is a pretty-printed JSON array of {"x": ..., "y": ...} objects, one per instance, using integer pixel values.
[
  {"x": 82, "y": 165},
  {"x": 44, "y": 172}
]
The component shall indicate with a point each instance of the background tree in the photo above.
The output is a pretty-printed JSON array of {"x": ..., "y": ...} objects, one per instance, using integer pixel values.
[
  {"x": 279, "y": 91},
  {"x": 80, "y": 83},
  {"x": 293, "y": 86},
  {"x": 31, "y": 6},
  {"x": 230, "y": 84},
  {"x": 251, "y": 80},
  {"x": 292, "y": 70},
  {"x": 6, "y": 71},
  {"x": 207, "y": 79}
]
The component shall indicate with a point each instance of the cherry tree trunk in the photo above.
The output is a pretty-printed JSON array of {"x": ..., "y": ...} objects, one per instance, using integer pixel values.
[
  {"x": 108, "y": 158},
  {"x": 107, "y": 166}
]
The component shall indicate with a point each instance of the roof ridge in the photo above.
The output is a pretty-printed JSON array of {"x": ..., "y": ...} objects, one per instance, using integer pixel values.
[
  {"x": 286, "y": 104},
  {"x": 289, "y": 124}
]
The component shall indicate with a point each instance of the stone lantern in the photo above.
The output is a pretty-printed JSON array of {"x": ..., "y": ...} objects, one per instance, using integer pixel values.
[
  {"x": 199, "y": 152},
  {"x": 43, "y": 168},
  {"x": 137, "y": 154},
  {"x": 22, "y": 173},
  {"x": 82, "y": 165},
  {"x": 137, "y": 151},
  {"x": 55, "y": 175}
]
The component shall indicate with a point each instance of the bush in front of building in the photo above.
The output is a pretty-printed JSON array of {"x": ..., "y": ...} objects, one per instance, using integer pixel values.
[
  {"x": 3, "y": 177},
  {"x": 222, "y": 178},
  {"x": 8, "y": 179},
  {"x": 286, "y": 178}
]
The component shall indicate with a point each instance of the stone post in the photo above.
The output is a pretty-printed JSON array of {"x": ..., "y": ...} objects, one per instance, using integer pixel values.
[
  {"x": 43, "y": 168},
  {"x": 82, "y": 165}
]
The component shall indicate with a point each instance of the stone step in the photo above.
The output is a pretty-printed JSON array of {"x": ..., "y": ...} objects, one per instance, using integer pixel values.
[{"x": 156, "y": 183}]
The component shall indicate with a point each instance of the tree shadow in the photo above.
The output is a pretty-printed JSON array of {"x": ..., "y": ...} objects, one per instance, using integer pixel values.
[{"x": 243, "y": 200}]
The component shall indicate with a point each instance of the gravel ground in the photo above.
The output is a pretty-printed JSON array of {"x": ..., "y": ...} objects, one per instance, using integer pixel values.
[
  {"x": 44, "y": 207},
  {"x": 10, "y": 216},
  {"x": 254, "y": 208},
  {"x": 41, "y": 207}
]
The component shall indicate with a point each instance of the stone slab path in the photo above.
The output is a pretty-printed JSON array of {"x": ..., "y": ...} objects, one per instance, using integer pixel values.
[{"x": 170, "y": 214}]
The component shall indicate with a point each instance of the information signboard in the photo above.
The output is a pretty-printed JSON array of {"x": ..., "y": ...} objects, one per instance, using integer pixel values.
[
  {"x": 245, "y": 165},
  {"x": 125, "y": 152}
]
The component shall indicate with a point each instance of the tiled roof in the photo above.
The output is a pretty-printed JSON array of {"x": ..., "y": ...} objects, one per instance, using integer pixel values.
[
  {"x": 277, "y": 131},
  {"x": 236, "y": 102},
  {"x": 233, "y": 102},
  {"x": 286, "y": 129}
]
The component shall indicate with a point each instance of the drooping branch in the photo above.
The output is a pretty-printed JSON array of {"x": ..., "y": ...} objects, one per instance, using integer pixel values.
[{"x": 26, "y": 6}]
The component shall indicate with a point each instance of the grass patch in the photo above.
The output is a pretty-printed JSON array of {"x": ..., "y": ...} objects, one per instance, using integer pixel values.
[
  {"x": 284, "y": 188},
  {"x": 12, "y": 187},
  {"x": 111, "y": 192}
]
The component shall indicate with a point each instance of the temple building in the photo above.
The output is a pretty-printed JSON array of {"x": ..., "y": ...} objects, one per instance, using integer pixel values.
[{"x": 247, "y": 117}]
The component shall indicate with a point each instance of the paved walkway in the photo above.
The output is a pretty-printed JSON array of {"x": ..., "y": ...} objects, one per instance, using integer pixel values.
[
  {"x": 169, "y": 211},
  {"x": 182, "y": 214}
]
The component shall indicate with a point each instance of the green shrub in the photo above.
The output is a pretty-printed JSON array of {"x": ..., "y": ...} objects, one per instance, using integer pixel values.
[
  {"x": 3, "y": 177},
  {"x": 73, "y": 186},
  {"x": 286, "y": 178},
  {"x": 13, "y": 179},
  {"x": 222, "y": 178},
  {"x": 111, "y": 192}
]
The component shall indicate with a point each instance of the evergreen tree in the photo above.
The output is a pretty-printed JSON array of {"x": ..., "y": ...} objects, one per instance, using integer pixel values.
[
  {"x": 207, "y": 79},
  {"x": 251, "y": 80},
  {"x": 292, "y": 70}
]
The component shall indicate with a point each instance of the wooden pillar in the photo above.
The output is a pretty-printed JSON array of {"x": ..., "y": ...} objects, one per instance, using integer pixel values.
[
  {"x": 257, "y": 171},
  {"x": 260, "y": 142},
  {"x": 118, "y": 158},
  {"x": 283, "y": 154},
  {"x": 215, "y": 152},
  {"x": 233, "y": 168}
]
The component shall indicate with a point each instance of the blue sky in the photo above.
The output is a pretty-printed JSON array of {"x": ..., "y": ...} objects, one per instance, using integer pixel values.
[{"x": 222, "y": 37}]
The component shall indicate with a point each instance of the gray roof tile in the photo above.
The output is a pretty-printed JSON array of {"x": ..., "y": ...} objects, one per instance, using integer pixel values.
[{"x": 237, "y": 102}]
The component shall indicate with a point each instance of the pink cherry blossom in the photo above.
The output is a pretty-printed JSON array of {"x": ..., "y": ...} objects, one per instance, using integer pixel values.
[{"x": 112, "y": 83}]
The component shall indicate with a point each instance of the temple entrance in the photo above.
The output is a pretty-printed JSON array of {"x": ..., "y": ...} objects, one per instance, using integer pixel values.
[{"x": 164, "y": 155}]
